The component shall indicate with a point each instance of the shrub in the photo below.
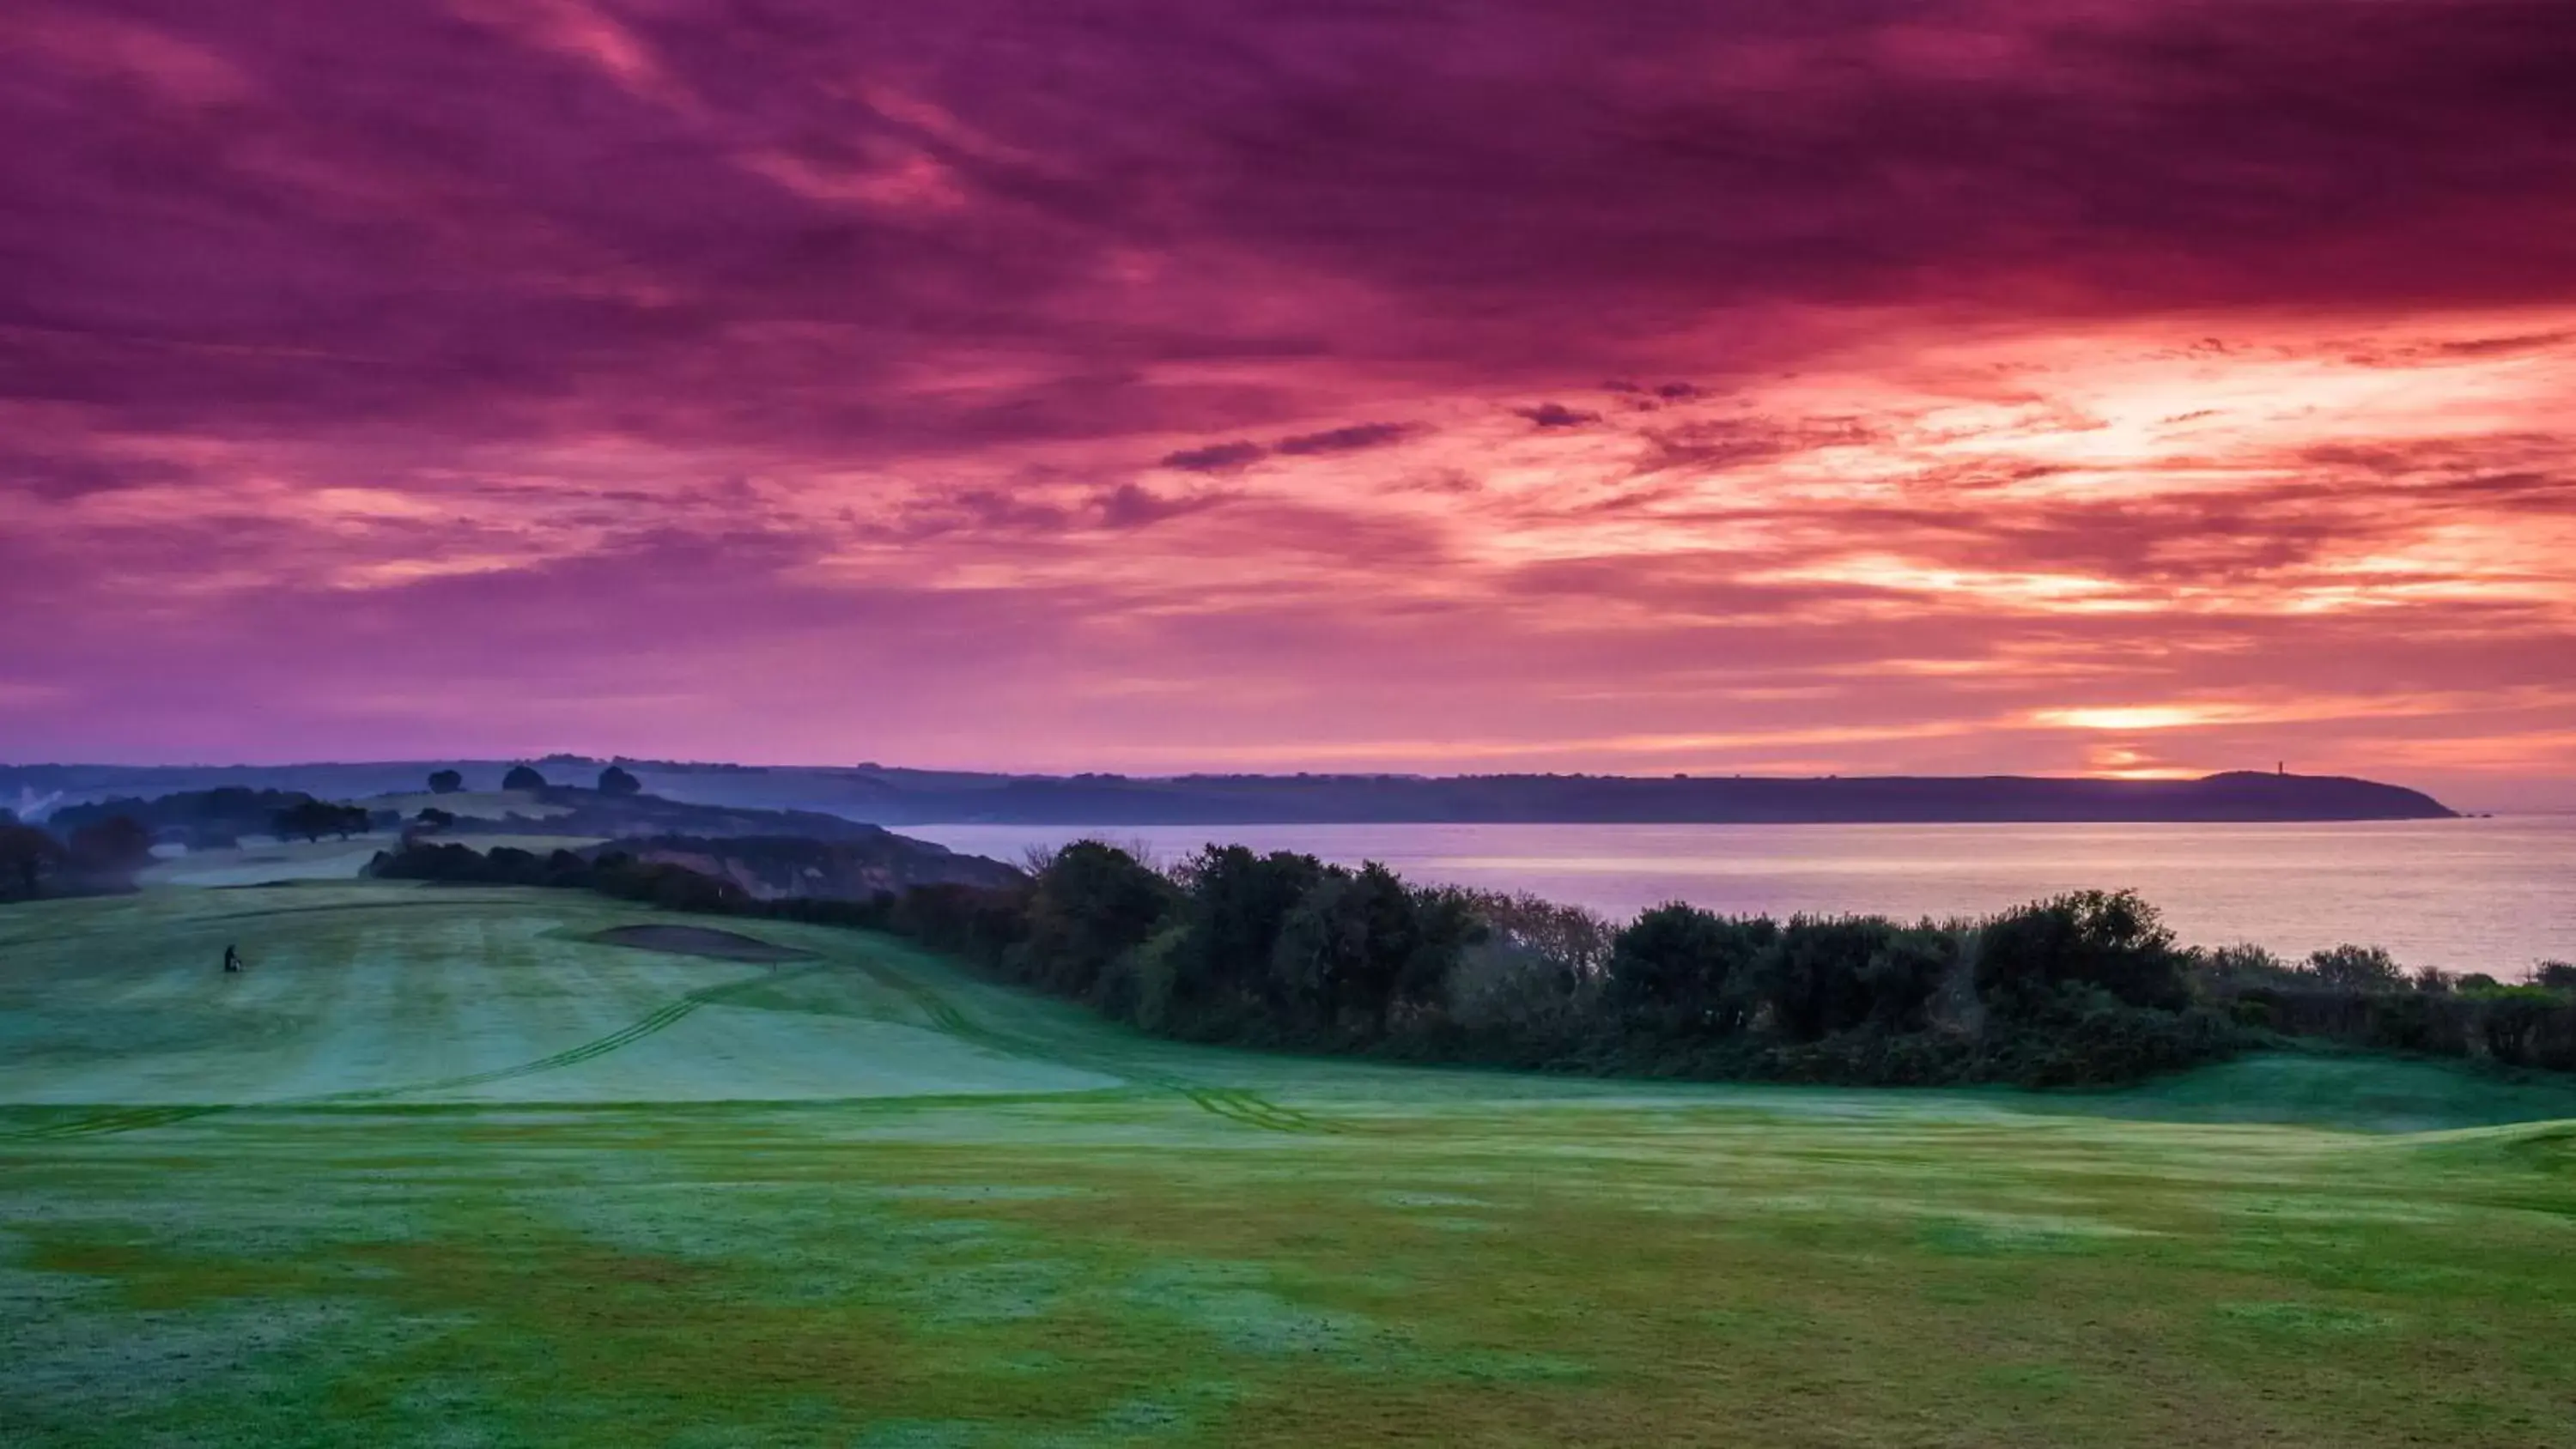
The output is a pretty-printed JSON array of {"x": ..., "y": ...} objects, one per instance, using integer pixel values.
[
  {"x": 2357, "y": 968},
  {"x": 2417, "y": 1021},
  {"x": 1824, "y": 976},
  {"x": 1092, "y": 903},
  {"x": 1504, "y": 989},
  {"x": 1236, "y": 904},
  {"x": 976, "y": 922},
  {"x": 1344, "y": 951},
  {"x": 2243, "y": 965},
  {"x": 1671, "y": 969},
  {"x": 2113, "y": 942},
  {"x": 2531, "y": 1027},
  {"x": 1575, "y": 938},
  {"x": 658, "y": 883},
  {"x": 1810, "y": 982},
  {"x": 2105, "y": 1042}
]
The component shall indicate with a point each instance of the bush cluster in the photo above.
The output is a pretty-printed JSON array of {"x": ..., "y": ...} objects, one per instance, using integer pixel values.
[
  {"x": 2360, "y": 996},
  {"x": 653, "y": 883}
]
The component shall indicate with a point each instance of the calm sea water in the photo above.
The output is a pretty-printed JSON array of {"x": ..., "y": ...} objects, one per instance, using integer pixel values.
[{"x": 2491, "y": 895}]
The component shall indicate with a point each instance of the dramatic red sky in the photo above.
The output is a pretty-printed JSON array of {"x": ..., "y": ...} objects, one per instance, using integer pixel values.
[{"x": 1742, "y": 385}]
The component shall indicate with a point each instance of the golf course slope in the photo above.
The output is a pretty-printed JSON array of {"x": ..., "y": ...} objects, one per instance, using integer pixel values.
[{"x": 490, "y": 1167}]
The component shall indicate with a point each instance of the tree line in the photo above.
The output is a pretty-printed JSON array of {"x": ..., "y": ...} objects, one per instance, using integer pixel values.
[
  {"x": 1284, "y": 950},
  {"x": 97, "y": 856}
]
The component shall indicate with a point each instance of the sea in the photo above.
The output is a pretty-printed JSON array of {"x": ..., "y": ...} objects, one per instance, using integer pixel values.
[{"x": 2494, "y": 893}]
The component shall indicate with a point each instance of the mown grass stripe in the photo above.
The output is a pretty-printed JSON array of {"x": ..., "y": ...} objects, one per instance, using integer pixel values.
[
  {"x": 1232, "y": 1103},
  {"x": 662, "y": 1018}
]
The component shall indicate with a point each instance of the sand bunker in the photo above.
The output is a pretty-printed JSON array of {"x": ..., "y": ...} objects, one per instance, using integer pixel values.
[{"x": 697, "y": 941}]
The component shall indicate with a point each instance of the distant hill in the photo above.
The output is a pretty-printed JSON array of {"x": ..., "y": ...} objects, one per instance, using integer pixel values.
[
  {"x": 896, "y": 797},
  {"x": 769, "y": 867},
  {"x": 768, "y": 853},
  {"x": 1631, "y": 800},
  {"x": 569, "y": 810}
]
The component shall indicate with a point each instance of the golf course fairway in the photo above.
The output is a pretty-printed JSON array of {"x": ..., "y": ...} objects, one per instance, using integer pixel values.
[{"x": 466, "y": 1167}]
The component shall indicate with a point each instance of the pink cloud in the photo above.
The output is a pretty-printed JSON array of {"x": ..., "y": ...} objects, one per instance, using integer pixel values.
[{"x": 1844, "y": 386}]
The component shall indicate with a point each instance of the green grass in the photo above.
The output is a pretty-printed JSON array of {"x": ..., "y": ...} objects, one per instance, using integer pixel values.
[{"x": 439, "y": 1171}]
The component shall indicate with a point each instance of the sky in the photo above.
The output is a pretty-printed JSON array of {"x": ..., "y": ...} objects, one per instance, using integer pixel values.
[{"x": 2114, "y": 387}]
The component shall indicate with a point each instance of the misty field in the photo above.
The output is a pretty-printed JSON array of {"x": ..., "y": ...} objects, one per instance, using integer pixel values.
[{"x": 446, "y": 1167}]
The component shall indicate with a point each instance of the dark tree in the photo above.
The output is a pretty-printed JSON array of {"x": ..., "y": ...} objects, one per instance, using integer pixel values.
[
  {"x": 1670, "y": 969},
  {"x": 316, "y": 818},
  {"x": 2110, "y": 941},
  {"x": 445, "y": 782},
  {"x": 299, "y": 820},
  {"x": 521, "y": 777},
  {"x": 615, "y": 781},
  {"x": 1827, "y": 975},
  {"x": 1356, "y": 948},
  {"x": 116, "y": 846},
  {"x": 28, "y": 858},
  {"x": 1093, "y": 903},
  {"x": 1238, "y": 901},
  {"x": 2556, "y": 975},
  {"x": 433, "y": 818},
  {"x": 1813, "y": 982}
]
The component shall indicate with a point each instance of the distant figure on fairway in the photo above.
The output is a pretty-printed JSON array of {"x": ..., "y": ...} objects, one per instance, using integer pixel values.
[{"x": 232, "y": 959}]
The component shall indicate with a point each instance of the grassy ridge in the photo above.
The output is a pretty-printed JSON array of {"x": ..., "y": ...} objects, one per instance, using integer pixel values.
[{"x": 1167, "y": 1245}]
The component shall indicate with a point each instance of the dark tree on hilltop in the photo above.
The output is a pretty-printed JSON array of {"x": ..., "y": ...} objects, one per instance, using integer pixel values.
[
  {"x": 445, "y": 782},
  {"x": 316, "y": 818},
  {"x": 111, "y": 847},
  {"x": 615, "y": 781},
  {"x": 522, "y": 777}
]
